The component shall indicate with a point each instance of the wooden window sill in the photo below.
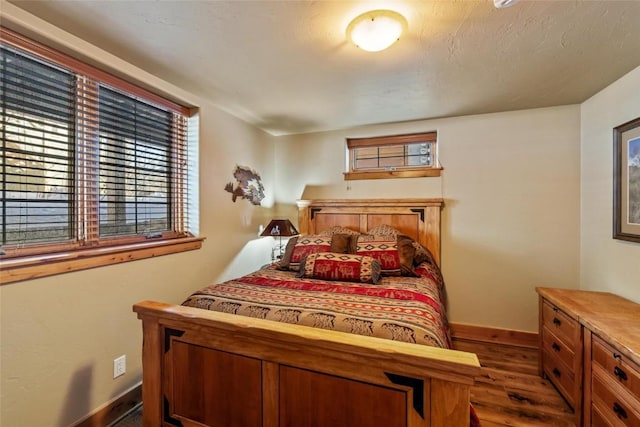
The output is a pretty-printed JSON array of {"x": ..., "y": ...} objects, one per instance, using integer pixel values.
[
  {"x": 32, "y": 267},
  {"x": 431, "y": 172}
]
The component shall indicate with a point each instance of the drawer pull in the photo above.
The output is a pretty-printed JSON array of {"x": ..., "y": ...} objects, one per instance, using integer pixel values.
[
  {"x": 556, "y": 321},
  {"x": 555, "y": 346},
  {"x": 622, "y": 375},
  {"x": 617, "y": 356},
  {"x": 619, "y": 410},
  {"x": 555, "y": 309},
  {"x": 556, "y": 372}
]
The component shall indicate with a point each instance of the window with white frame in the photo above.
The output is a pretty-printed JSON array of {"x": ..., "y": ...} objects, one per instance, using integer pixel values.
[
  {"x": 396, "y": 156},
  {"x": 88, "y": 160}
]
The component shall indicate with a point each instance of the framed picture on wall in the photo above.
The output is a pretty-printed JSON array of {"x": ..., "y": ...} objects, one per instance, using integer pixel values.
[{"x": 626, "y": 181}]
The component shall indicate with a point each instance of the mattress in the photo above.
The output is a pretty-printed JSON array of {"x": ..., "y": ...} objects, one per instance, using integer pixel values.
[{"x": 408, "y": 309}]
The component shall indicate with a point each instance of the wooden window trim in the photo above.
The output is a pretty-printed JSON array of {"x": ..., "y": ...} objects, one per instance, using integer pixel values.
[
  {"x": 37, "y": 266},
  {"x": 404, "y": 173},
  {"x": 391, "y": 140},
  {"x": 19, "y": 263}
]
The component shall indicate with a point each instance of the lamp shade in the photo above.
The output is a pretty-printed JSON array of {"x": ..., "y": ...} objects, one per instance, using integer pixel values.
[
  {"x": 280, "y": 228},
  {"x": 376, "y": 30}
]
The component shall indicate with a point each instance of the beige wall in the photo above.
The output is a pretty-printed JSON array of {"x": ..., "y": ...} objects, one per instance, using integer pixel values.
[
  {"x": 511, "y": 184},
  {"x": 512, "y": 220},
  {"x": 60, "y": 334},
  {"x": 606, "y": 264}
]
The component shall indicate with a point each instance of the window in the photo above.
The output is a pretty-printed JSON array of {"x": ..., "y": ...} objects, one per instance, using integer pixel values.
[
  {"x": 88, "y": 162},
  {"x": 398, "y": 156}
]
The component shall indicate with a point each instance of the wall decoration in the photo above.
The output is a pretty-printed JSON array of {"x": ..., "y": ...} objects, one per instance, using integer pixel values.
[
  {"x": 248, "y": 185},
  {"x": 626, "y": 181}
]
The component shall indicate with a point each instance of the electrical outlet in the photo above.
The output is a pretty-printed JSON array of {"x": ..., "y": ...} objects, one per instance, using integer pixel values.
[{"x": 119, "y": 366}]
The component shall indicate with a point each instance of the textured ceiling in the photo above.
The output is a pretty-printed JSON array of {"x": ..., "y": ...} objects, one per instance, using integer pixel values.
[{"x": 286, "y": 66}]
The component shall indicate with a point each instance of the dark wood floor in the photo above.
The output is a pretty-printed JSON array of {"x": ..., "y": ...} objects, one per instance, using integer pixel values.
[{"x": 509, "y": 391}]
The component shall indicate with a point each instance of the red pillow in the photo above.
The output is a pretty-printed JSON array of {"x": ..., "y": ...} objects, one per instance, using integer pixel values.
[
  {"x": 383, "y": 250},
  {"x": 307, "y": 245},
  {"x": 342, "y": 267}
]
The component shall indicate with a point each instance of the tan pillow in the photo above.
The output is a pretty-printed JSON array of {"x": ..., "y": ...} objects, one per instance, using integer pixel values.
[
  {"x": 422, "y": 255},
  {"x": 341, "y": 243},
  {"x": 406, "y": 251},
  {"x": 383, "y": 230},
  {"x": 286, "y": 257},
  {"x": 337, "y": 229}
]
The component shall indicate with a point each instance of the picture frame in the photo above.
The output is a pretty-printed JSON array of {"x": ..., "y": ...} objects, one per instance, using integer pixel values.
[{"x": 626, "y": 181}]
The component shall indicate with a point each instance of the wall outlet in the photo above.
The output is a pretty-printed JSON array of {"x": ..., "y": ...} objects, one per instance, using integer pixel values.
[{"x": 119, "y": 366}]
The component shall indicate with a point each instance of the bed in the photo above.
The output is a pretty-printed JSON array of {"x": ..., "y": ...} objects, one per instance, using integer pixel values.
[{"x": 283, "y": 350}]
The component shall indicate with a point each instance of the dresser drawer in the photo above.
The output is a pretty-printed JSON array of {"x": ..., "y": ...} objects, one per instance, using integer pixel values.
[
  {"x": 562, "y": 326},
  {"x": 617, "y": 366},
  {"x": 616, "y": 406},
  {"x": 597, "y": 419},
  {"x": 560, "y": 375},
  {"x": 558, "y": 348}
]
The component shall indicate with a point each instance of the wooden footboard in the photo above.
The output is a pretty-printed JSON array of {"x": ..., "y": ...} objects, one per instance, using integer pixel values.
[{"x": 204, "y": 368}]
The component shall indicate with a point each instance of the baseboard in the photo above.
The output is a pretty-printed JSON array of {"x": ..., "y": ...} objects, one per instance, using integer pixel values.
[
  {"x": 113, "y": 410},
  {"x": 494, "y": 335}
]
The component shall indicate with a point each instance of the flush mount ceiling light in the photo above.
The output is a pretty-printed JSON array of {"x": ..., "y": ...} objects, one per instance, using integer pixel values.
[{"x": 376, "y": 30}]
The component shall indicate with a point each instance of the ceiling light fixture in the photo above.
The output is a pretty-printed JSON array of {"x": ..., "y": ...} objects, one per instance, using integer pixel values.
[{"x": 376, "y": 30}]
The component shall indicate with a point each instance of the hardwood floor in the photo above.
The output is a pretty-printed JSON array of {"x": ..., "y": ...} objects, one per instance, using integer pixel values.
[{"x": 509, "y": 391}]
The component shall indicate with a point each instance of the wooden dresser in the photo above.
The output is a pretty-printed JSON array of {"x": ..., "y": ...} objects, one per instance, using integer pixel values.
[{"x": 590, "y": 350}]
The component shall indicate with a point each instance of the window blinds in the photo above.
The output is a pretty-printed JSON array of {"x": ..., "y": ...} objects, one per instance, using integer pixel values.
[
  {"x": 37, "y": 102},
  {"x": 135, "y": 165},
  {"x": 87, "y": 159}
]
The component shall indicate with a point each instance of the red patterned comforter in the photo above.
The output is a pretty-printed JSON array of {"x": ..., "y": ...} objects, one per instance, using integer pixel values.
[{"x": 409, "y": 309}]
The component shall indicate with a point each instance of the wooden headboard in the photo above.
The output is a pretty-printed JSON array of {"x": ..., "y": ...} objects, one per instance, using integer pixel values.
[{"x": 417, "y": 218}]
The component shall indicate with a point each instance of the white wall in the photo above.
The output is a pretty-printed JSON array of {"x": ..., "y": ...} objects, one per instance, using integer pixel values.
[
  {"x": 511, "y": 184},
  {"x": 606, "y": 264},
  {"x": 60, "y": 334}
]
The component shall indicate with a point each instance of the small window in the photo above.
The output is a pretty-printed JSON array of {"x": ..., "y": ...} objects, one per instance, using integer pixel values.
[{"x": 398, "y": 156}]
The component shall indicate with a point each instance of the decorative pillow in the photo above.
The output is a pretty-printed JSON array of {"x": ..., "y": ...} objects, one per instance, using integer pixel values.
[
  {"x": 286, "y": 256},
  {"x": 337, "y": 229},
  {"x": 406, "y": 252},
  {"x": 422, "y": 255},
  {"x": 300, "y": 246},
  {"x": 306, "y": 245},
  {"x": 366, "y": 238},
  {"x": 383, "y": 250},
  {"x": 341, "y": 243},
  {"x": 342, "y": 267},
  {"x": 384, "y": 230}
]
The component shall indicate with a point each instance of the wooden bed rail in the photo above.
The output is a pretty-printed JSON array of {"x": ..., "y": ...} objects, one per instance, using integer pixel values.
[{"x": 209, "y": 368}]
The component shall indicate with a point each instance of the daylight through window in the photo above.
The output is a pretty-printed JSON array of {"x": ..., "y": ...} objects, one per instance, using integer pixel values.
[
  {"x": 396, "y": 156},
  {"x": 86, "y": 161}
]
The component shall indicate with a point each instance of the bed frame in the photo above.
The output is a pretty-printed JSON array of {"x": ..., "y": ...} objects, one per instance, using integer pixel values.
[{"x": 205, "y": 368}]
